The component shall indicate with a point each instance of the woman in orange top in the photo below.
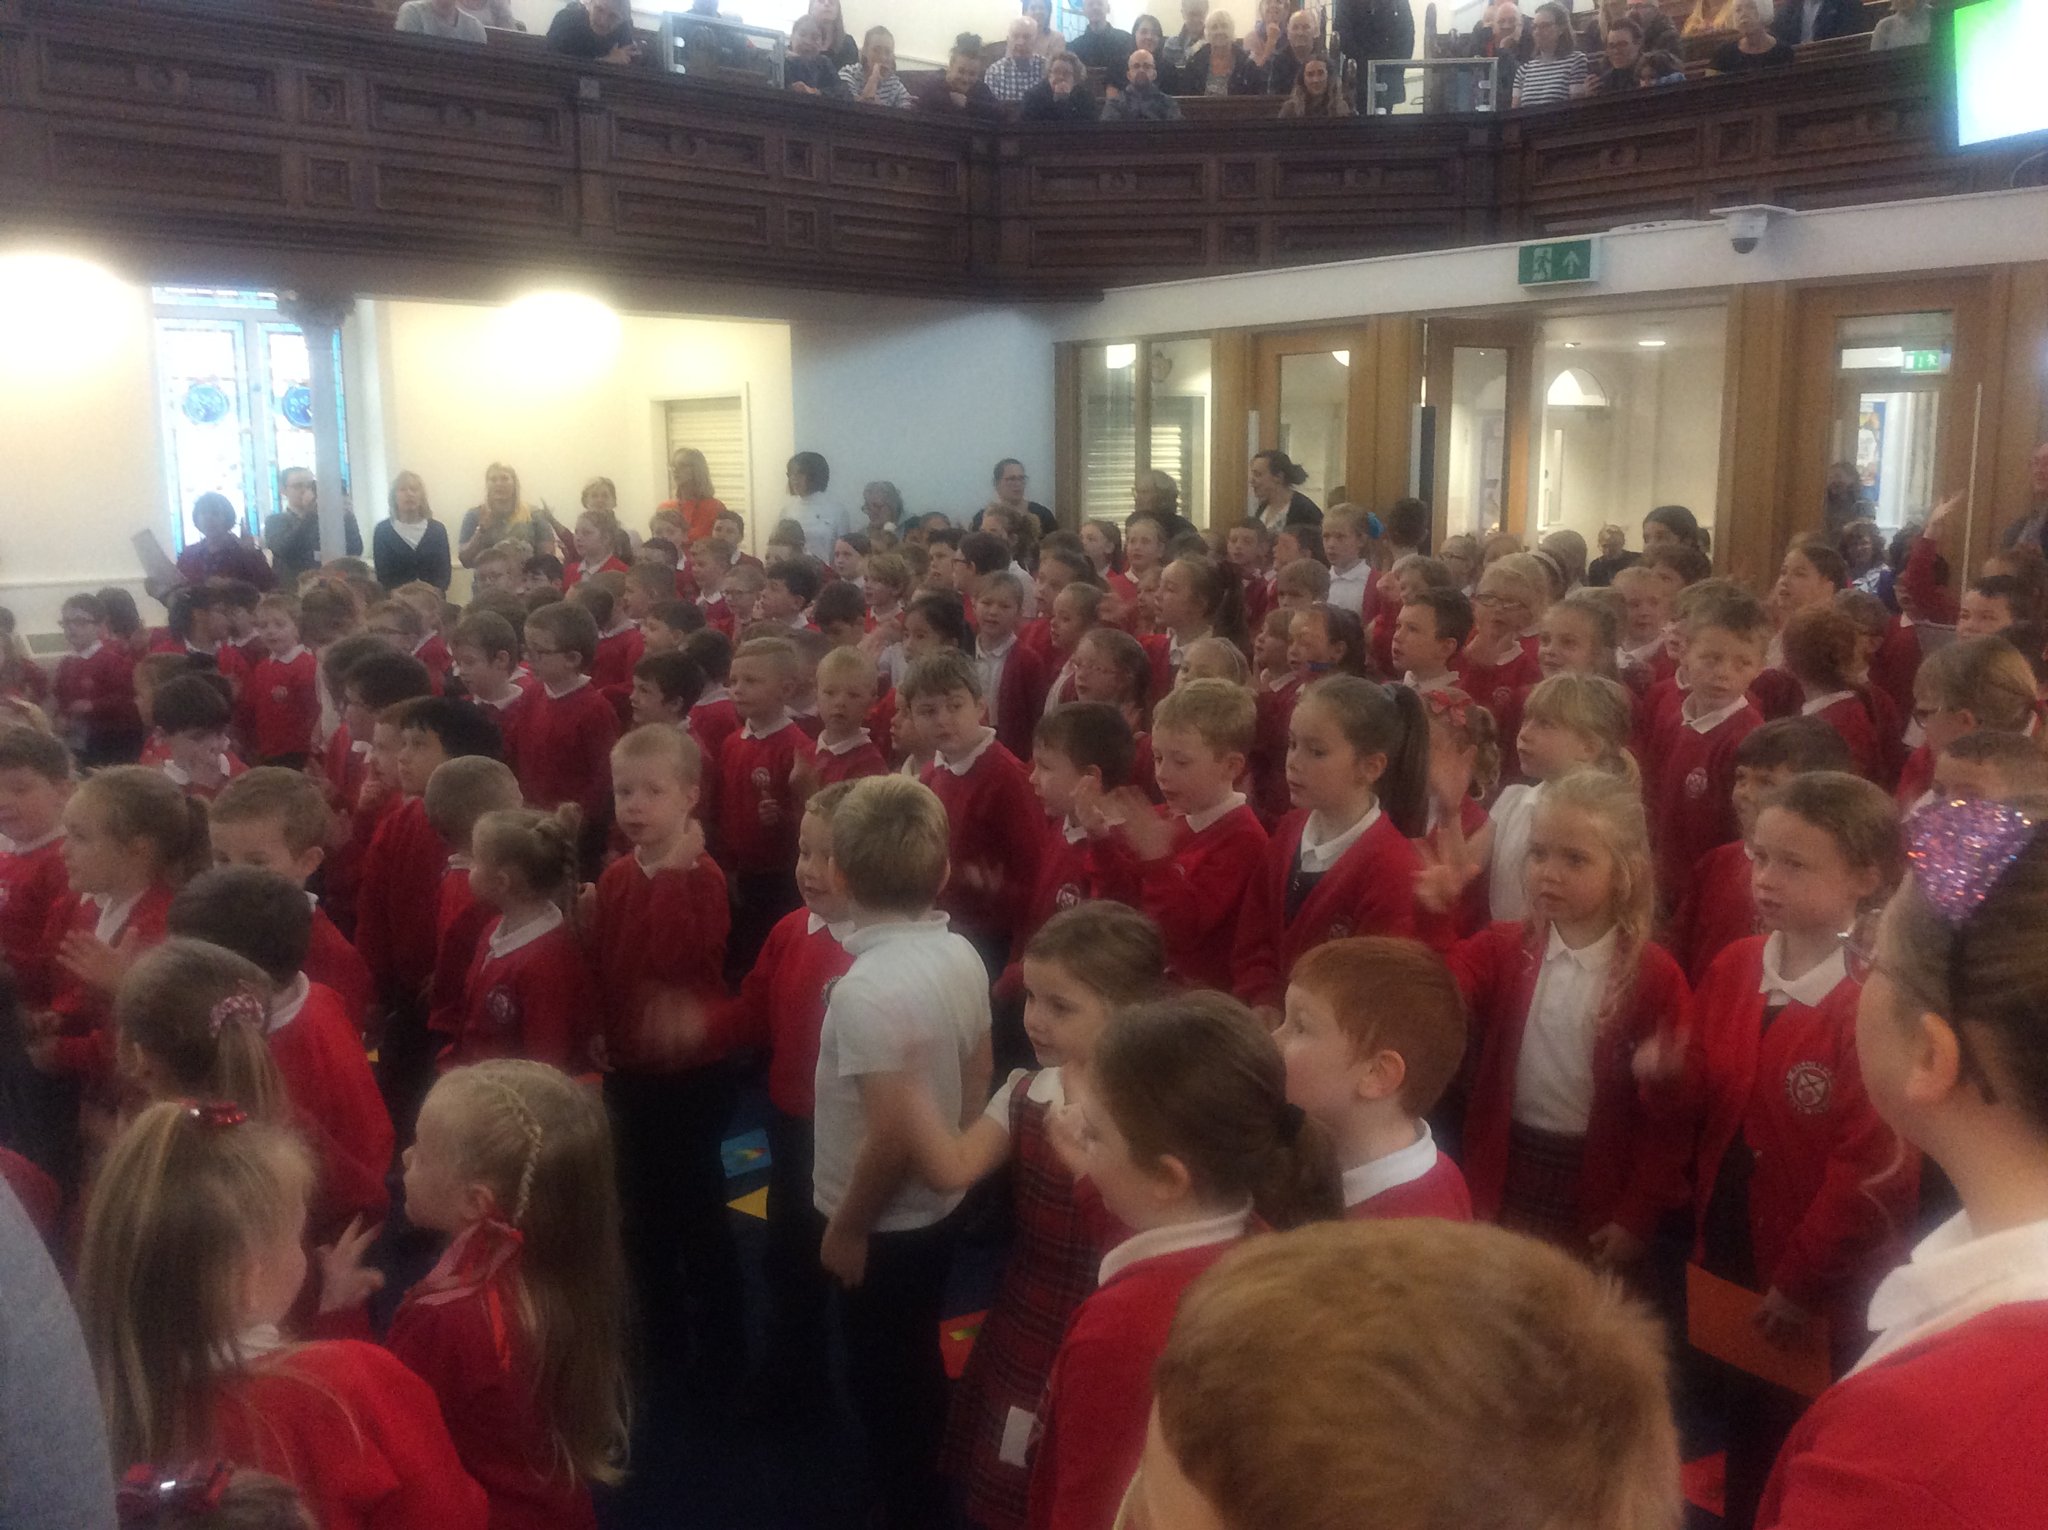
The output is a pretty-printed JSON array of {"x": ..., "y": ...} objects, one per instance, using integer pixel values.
[{"x": 693, "y": 500}]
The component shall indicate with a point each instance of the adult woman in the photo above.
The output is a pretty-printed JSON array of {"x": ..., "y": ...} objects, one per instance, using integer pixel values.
[
  {"x": 504, "y": 516},
  {"x": 1756, "y": 46},
  {"x": 1557, "y": 69},
  {"x": 411, "y": 546},
  {"x": 1050, "y": 43},
  {"x": 873, "y": 78},
  {"x": 1154, "y": 493},
  {"x": 1707, "y": 18},
  {"x": 1147, "y": 33},
  {"x": 1670, "y": 526},
  {"x": 1276, "y": 499},
  {"x": 689, "y": 477},
  {"x": 219, "y": 553},
  {"x": 839, "y": 47},
  {"x": 1315, "y": 94},
  {"x": 882, "y": 504},
  {"x": 1861, "y": 545},
  {"x": 1269, "y": 31},
  {"x": 806, "y": 70},
  {"x": 1910, "y": 25},
  {"x": 1061, "y": 96},
  {"x": 1220, "y": 67}
]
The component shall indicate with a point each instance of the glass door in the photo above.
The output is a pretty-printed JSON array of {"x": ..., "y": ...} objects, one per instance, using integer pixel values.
[
  {"x": 1307, "y": 404},
  {"x": 1891, "y": 376},
  {"x": 1476, "y": 426}
]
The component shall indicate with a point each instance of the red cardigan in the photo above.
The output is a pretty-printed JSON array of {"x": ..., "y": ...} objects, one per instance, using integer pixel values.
[
  {"x": 1020, "y": 697},
  {"x": 32, "y": 884},
  {"x": 1195, "y": 893},
  {"x": 85, "y": 1034},
  {"x": 1637, "y": 1144},
  {"x": 279, "y": 708},
  {"x": 1718, "y": 909},
  {"x": 1943, "y": 1435},
  {"x": 781, "y": 1005},
  {"x": 319, "y": 1054},
  {"x": 995, "y": 831},
  {"x": 1070, "y": 872},
  {"x": 401, "y": 881},
  {"x": 1370, "y": 891},
  {"x": 532, "y": 1002}
]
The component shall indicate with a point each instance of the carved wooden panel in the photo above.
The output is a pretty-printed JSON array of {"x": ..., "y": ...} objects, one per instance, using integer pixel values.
[
  {"x": 164, "y": 82},
  {"x": 723, "y": 221},
  {"x": 324, "y": 99},
  {"x": 1831, "y": 130},
  {"x": 1118, "y": 181},
  {"x": 472, "y": 197},
  {"x": 877, "y": 235},
  {"x": 647, "y": 140},
  {"x": 146, "y": 170},
  {"x": 1118, "y": 246},
  {"x": 1673, "y": 150},
  {"x": 1302, "y": 239},
  {"x": 472, "y": 117},
  {"x": 894, "y": 171},
  {"x": 1347, "y": 178},
  {"x": 329, "y": 182}
]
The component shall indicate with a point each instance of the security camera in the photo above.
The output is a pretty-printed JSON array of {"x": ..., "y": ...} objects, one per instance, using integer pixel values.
[{"x": 1748, "y": 225}]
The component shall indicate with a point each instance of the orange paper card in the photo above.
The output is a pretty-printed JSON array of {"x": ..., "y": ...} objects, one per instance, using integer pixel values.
[{"x": 1719, "y": 1322}]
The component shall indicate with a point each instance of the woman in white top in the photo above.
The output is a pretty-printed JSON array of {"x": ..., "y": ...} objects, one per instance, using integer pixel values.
[{"x": 1557, "y": 69}]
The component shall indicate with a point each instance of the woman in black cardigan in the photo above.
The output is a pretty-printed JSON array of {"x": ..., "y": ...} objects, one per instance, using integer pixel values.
[{"x": 411, "y": 545}]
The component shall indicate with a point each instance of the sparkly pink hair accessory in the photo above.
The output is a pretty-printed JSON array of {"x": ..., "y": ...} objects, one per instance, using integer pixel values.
[
  {"x": 241, "y": 1007},
  {"x": 1960, "y": 850}
]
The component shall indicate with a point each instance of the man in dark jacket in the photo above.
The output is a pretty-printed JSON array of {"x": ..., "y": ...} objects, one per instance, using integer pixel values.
[
  {"x": 293, "y": 534},
  {"x": 1801, "y": 21},
  {"x": 1373, "y": 31}
]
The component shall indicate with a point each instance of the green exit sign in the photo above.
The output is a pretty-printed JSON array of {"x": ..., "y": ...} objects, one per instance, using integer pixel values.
[
  {"x": 1925, "y": 361},
  {"x": 1556, "y": 261}
]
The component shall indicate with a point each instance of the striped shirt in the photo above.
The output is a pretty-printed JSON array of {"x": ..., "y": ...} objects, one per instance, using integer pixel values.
[
  {"x": 1541, "y": 81},
  {"x": 889, "y": 91}
]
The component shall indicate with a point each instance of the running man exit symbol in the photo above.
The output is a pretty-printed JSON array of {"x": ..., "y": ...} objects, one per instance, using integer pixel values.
[{"x": 1556, "y": 261}]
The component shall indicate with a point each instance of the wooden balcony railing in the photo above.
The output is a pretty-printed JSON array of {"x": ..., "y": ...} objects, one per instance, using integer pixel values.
[{"x": 307, "y": 126}]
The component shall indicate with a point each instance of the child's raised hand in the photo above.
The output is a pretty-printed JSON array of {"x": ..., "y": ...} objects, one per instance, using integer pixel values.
[
  {"x": 1942, "y": 514},
  {"x": 1780, "y": 1320},
  {"x": 344, "y": 1282},
  {"x": 804, "y": 778},
  {"x": 1615, "y": 1245},
  {"x": 1150, "y": 834},
  {"x": 688, "y": 848},
  {"x": 96, "y": 964},
  {"x": 1437, "y": 886}
]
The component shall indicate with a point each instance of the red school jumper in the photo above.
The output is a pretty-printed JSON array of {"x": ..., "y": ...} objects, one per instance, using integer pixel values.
[
  {"x": 650, "y": 933},
  {"x": 1440, "y": 1192},
  {"x": 1852, "y": 717},
  {"x": 1693, "y": 809},
  {"x": 32, "y": 883},
  {"x": 1070, "y": 872},
  {"x": 578, "y": 571},
  {"x": 458, "y": 1331},
  {"x": 526, "y": 997},
  {"x": 278, "y": 711},
  {"x": 1831, "y": 1185},
  {"x": 758, "y": 809},
  {"x": 85, "y": 1018},
  {"x": 1273, "y": 715},
  {"x": 712, "y": 722},
  {"x": 94, "y": 695},
  {"x": 1501, "y": 686},
  {"x": 856, "y": 761},
  {"x": 995, "y": 830},
  {"x": 333, "y": 963},
  {"x": 1195, "y": 892},
  {"x": 1637, "y": 1146},
  {"x": 1369, "y": 891},
  {"x": 1020, "y": 696},
  {"x": 359, "y": 1435},
  {"x": 459, "y": 925},
  {"x": 1944, "y": 1434},
  {"x": 401, "y": 878},
  {"x": 565, "y": 750},
  {"x": 611, "y": 668},
  {"x": 1718, "y": 909},
  {"x": 319, "y": 1054},
  {"x": 781, "y": 1005}
]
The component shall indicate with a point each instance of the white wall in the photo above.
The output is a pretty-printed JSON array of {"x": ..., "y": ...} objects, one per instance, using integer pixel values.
[{"x": 928, "y": 400}]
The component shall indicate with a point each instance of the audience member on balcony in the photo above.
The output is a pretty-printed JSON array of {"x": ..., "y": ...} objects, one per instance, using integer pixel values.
[
  {"x": 1303, "y": 43},
  {"x": 1276, "y": 494},
  {"x": 1220, "y": 67},
  {"x": 1910, "y": 25},
  {"x": 1269, "y": 30},
  {"x": 838, "y": 47},
  {"x": 1660, "y": 68},
  {"x": 1141, "y": 99},
  {"x": 873, "y": 79},
  {"x": 805, "y": 69},
  {"x": 1556, "y": 69},
  {"x": 1062, "y": 96},
  {"x": 440, "y": 18},
  {"x": 959, "y": 92},
  {"x": 504, "y": 516},
  {"x": 1175, "y": 52},
  {"x": 1315, "y": 93},
  {"x": 1103, "y": 46},
  {"x": 1149, "y": 34},
  {"x": 1050, "y": 43},
  {"x": 1503, "y": 33},
  {"x": 1801, "y": 21},
  {"x": 594, "y": 29},
  {"x": 1011, "y": 76},
  {"x": 1754, "y": 47},
  {"x": 219, "y": 553},
  {"x": 494, "y": 13},
  {"x": 1653, "y": 28},
  {"x": 1624, "y": 51},
  {"x": 293, "y": 533},
  {"x": 411, "y": 546},
  {"x": 1373, "y": 31},
  {"x": 1707, "y": 18}
]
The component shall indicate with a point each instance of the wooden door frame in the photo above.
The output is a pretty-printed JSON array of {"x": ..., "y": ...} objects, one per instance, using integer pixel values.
[
  {"x": 1358, "y": 338},
  {"x": 1517, "y": 337}
]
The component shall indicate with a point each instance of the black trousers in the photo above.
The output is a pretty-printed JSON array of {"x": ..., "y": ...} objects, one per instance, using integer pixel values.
[
  {"x": 894, "y": 1374},
  {"x": 799, "y": 1291},
  {"x": 759, "y": 899},
  {"x": 1759, "y": 1418},
  {"x": 685, "y": 1263},
  {"x": 405, "y": 1065}
]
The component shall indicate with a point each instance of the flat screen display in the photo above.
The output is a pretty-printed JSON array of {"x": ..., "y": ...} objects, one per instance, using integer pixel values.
[{"x": 1999, "y": 45}]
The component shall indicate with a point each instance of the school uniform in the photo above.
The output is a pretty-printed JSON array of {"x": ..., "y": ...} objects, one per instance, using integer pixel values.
[
  {"x": 1014, "y": 682},
  {"x": 565, "y": 750},
  {"x": 227, "y": 766},
  {"x": 318, "y": 1050},
  {"x": 458, "y": 1331},
  {"x": 346, "y": 764},
  {"x": 1072, "y": 869},
  {"x": 1195, "y": 891},
  {"x": 527, "y": 994},
  {"x": 1418, "y": 1181},
  {"x": 718, "y": 614},
  {"x": 1896, "y": 664},
  {"x": 348, "y": 1425},
  {"x": 279, "y": 708},
  {"x": 1559, "y": 1138},
  {"x": 1501, "y": 686},
  {"x": 1099, "y": 1396},
  {"x": 850, "y": 759},
  {"x": 1849, "y": 715},
  {"x": 399, "y": 882},
  {"x": 611, "y": 667},
  {"x": 459, "y": 925},
  {"x": 85, "y": 1018},
  {"x": 1694, "y": 807},
  {"x": 1940, "y": 1424},
  {"x": 758, "y": 816},
  {"x": 94, "y": 698},
  {"x": 336, "y": 965},
  {"x": 1775, "y": 693},
  {"x": 1380, "y": 635},
  {"x": 1514, "y": 814},
  {"x": 1646, "y": 665},
  {"x": 433, "y": 653},
  {"x": 1718, "y": 909},
  {"x": 508, "y": 711},
  {"x": 32, "y": 883},
  {"x": 1309, "y": 892},
  {"x": 1916, "y": 780},
  {"x": 1273, "y": 714},
  {"x": 1469, "y": 915},
  {"x": 664, "y": 933},
  {"x": 995, "y": 826},
  {"x": 581, "y": 570}
]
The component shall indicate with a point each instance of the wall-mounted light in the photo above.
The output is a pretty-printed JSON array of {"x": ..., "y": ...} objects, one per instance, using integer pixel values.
[
  {"x": 1342, "y": 358},
  {"x": 1652, "y": 345},
  {"x": 563, "y": 337},
  {"x": 1119, "y": 358},
  {"x": 59, "y": 315}
]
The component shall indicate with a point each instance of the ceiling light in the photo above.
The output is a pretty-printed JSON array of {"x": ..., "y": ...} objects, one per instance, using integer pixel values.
[
  {"x": 1342, "y": 358},
  {"x": 1571, "y": 345},
  {"x": 1119, "y": 358},
  {"x": 1651, "y": 345}
]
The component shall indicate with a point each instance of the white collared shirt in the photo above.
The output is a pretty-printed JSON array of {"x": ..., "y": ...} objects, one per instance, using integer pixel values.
[
  {"x": 1402, "y": 1167},
  {"x": 1708, "y": 722},
  {"x": 291, "y": 654},
  {"x": 840, "y": 928},
  {"x": 1953, "y": 1275},
  {"x": 1554, "y": 1073},
  {"x": 1072, "y": 831},
  {"x": 1347, "y": 586},
  {"x": 1447, "y": 681},
  {"x": 1030, "y": 606},
  {"x": 846, "y": 745},
  {"x": 1177, "y": 648},
  {"x": 619, "y": 628},
  {"x": 1182, "y": 1236},
  {"x": 29, "y": 846},
  {"x": 775, "y": 725},
  {"x": 87, "y": 653},
  {"x": 180, "y": 776},
  {"x": 568, "y": 690},
  {"x": 284, "y": 1009},
  {"x": 114, "y": 914},
  {"x": 967, "y": 761},
  {"x": 1209, "y": 817},
  {"x": 1320, "y": 849},
  {"x": 1045, "y": 1087},
  {"x": 712, "y": 693},
  {"x": 1643, "y": 653},
  {"x": 507, "y": 939},
  {"x": 1514, "y": 811},
  {"x": 1811, "y": 988},
  {"x": 1822, "y": 703}
]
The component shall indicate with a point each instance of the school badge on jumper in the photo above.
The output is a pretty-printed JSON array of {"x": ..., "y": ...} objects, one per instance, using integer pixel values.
[
  {"x": 1809, "y": 1086},
  {"x": 1069, "y": 896},
  {"x": 502, "y": 1007},
  {"x": 1696, "y": 781}
]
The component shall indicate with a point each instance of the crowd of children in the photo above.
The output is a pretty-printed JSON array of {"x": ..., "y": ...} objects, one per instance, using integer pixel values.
[{"x": 1212, "y": 886}]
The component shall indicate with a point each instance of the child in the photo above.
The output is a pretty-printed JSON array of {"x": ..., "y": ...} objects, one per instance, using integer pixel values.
[
  {"x": 193, "y": 1254},
  {"x": 665, "y": 687},
  {"x": 887, "y": 586},
  {"x": 996, "y": 826},
  {"x": 280, "y": 701},
  {"x": 1718, "y": 908},
  {"x": 1800, "y": 1189},
  {"x": 567, "y": 728},
  {"x": 193, "y": 714},
  {"x": 1087, "y": 961},
  {"x": 1643, "y": 658},
  {"x": 597, "y": 541},
  {"x": 1199, "y": 857},
  {"x": 1341, "y": 863},
  {"x": 811, "y": 645},
  {"x": 1374, "y": 1034},
  {"x": 1819, "y": 645},
  {"x": 787, "y": 592},
  {"x": 528, "y": 991},
  {"x": 743, "y": 591},
  {"x": 484, "y": 656},
  {"x": 756, "y": 797},
  {"x": 501, "y": 568},
  {"x": 1498, "y": 667},
  {"x": 1344, "y": 537},
  {"x": 1112, "y": 667},
  {"x": 619, "y": 644},
  {"x": 1300, "y": 584},
  {"x": 1270, "y": 669},
  {"x": 520, "y": 1328},
  {"x": 846, "y": 695},
  {"x": 1690, "y": 790},
  {"x": 1325, "y": 640},
  {"x": 658, "y": 926},
  {"x": 1580, "y": 635},
  {"x": 910, "y": 1013},
  {"x": 668, "y": 625},
  {"x": 196, "y": 623},
  {"x": 1429, "y": 634},
  {"x": 459, "y": 792},
  {"x": 1971, "y": 685},
  {"x": 1464, "y": 768},
  {"x": 1189, "y": 1136},
  {"x": 1013, "y": 677},
  {"x": 316, "y": 1045},
  {"x": 35, "y": 782},
  {"x": 714, "y": 718},
  {"x": 1998, "y": 765},
  {"x": 1335, "y": 1377},
  {"x": 276, "y": 820},
  {"x": 190, "y": 1025},
  {"x": 427, "y": 603},
  {"x": 1213, "y": 658},
  {"x": 93, "y": 694},
  {"x": 1558, "y": 1140},
  {"x": 1945, "y": 1405},
  {"x": 1196, "y": 598},
  {"x": 841, "y": 613}
]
